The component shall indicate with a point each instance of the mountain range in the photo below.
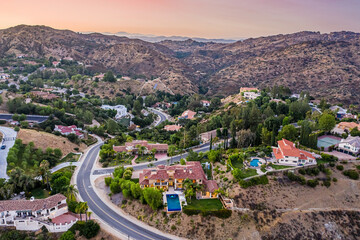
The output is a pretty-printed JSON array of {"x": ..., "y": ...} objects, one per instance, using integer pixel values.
[{"x": 326, "y": 65}]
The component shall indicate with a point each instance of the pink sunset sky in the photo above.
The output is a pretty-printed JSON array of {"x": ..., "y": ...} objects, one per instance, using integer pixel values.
[{"x": 193, "y": 18}]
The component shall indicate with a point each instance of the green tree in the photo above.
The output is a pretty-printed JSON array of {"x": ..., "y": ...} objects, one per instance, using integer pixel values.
[
  {"x": 68, "y": 235},
  {"x": 137, "y": 107},
  {"x": 327, "y": 122},
  {"x": 109, "y": 77},
  {"x": 153, "y": 197},
  {"x": 288, "y": 132}
]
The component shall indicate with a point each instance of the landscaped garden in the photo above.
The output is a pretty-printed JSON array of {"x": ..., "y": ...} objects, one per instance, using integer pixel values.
[
  {"x": 279, "y": 167},
  {"x": 145, "y": 158}
]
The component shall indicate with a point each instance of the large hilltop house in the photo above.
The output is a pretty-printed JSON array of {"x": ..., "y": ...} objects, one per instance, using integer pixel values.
[
  {"x": 188, "y": 114},
  {"x": 288, "y": 154},
  {"x": 31, "y": 215},
  {"x": 350, "y": 145},
  {"x": 344, "y": 127},
  {"x": 132, "y": 147},
  {"x": 165, "y": 177},
  {"x": 121, "y": 110},
  {"x": 66, "y": 130}
]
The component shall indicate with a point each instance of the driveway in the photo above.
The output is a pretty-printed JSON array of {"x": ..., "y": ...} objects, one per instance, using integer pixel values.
[
  {"x": 341, "y": 156},
  {"x": 8, "y": 140}
]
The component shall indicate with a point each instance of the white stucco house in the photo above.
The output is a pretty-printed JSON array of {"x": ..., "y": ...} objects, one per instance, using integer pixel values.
[
  {"x": 287, "y": 154},
  {"x": 31, "y": 215},
  {"x": 120, "y": 109},
  {"x": 350, "y": 145},
  {"x": 251, "y": 95}
]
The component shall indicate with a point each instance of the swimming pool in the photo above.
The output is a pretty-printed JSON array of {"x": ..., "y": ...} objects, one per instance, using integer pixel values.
[
  {"x": 173, "y": 202},
  {"x": 255, "y": 162},
  {"x": 327, "y": 141}
]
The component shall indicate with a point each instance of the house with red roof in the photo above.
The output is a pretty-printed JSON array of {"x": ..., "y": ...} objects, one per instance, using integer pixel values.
[
  {"x": 133, "y": 147},
  {"x": 33, "y": 214},
  {"x": 287, "y": 154},
  {"x": 172, "y": 128},
  {"x": 165, "y": 177},
  {"x": 188, "y": 114},
  {"x": 66, "y": 130},
  {"x": 205, "y": 103}
]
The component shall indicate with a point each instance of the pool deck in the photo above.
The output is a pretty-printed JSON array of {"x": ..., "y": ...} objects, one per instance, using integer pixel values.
[{"x": 179, "y": 193}]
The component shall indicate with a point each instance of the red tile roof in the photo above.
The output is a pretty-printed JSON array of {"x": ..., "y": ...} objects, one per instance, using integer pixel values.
[
  {"x": 172, "y": 127},
  {"x": 287, "y": 148},
  {"x": 35, "y": 205},
  {"x": 188, "y": 114}
]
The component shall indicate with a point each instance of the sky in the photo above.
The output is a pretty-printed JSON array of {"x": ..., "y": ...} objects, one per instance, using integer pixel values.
[{"x": 231, "y": 19}]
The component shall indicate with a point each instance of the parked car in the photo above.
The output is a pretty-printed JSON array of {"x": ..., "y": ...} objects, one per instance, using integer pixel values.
[{"x": 3, "y": 147}]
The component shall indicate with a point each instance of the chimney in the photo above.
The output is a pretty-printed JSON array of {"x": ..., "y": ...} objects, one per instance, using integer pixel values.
[{"x": 190, "y": 170}]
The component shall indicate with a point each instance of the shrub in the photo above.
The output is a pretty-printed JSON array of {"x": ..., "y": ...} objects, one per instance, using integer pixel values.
[
  {"x": 327, "y": 183},
  {"x": 90, "y": 229},
  {"x": 334, "y": 179},
  {"x": 332, "y": 164},
  {"x": 302, "y": 171},
  {"x": 68, "y": 235},
  {"x": 352, "y": 174},
  {"x": 340, "y": 167},
  {"x": 254, "y": 181},
  {"x": 296, "y": 178},
  {"x": 108, "y": 181},
  {"x": 358, "y": 167},
  {"x": 328, "y": 158},
  {"x": 173, "y": 227},
  {"x": 312, "y": 183}
]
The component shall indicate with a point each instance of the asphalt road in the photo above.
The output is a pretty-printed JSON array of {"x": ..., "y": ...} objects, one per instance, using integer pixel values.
[
  {"x": 9, "y": 137},
  {"x": 104, "y": 212},
  {"x": 162, "y": 116},
  {"x": 32, "y": 118}
]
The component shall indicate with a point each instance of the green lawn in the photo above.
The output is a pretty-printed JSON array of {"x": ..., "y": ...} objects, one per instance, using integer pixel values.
[
  {"x": 278, "y": 167},
  {"x": 246, "y": 173},
  {"x": 144, "y": 158},
  {"x": 205, "y": 204},
  {"x": 39, "y": 193}
]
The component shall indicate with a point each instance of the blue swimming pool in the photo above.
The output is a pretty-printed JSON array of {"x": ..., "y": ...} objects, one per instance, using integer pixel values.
[
  {"x": 254, "y": 163},
  {"x": 173, "y": 202}
]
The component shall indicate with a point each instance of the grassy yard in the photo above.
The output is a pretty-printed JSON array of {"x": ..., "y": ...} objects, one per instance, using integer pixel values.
[
  {"x": 205, "y": 204},
  {"x": 246, "y": 173},
  {"x": 144, "y": 158},
  {"x": 278, "y": 167},
  {"x": 40, "y": 193}
]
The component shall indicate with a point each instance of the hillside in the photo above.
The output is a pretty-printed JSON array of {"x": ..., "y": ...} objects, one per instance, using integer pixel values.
[{"x": 327, "y": 65}]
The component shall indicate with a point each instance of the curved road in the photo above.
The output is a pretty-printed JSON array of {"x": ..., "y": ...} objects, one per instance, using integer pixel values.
[
  {"x": 162, "y": 116},
  {"x": 103, "y": 211},
  {"x": 9, "y": 137}
]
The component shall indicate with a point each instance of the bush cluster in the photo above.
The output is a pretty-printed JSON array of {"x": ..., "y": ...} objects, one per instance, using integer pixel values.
[
  {"x": 352, "y": 174},
  {"x": 263, "y": 180},
  {"x": 222, "y": 213}
]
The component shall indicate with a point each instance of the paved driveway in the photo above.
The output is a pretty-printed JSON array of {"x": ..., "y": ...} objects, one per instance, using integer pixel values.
[
  {"x": 341, "y": 156},
  {"x": 8, "y": 140}
]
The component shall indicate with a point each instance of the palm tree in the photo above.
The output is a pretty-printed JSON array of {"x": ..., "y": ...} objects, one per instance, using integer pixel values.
[
  {"x": 44, "y": 165},
  {"x": 71, "y": 191},
  {"x": 89, "y": 215},
  {"x": 79, "y": 210},
  {"x": 85, "y": 208}
]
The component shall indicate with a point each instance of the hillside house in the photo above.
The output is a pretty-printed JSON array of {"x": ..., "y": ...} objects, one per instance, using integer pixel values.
[
  {"x": 66, "y": 130},
  {"x": 205, "y": 103},
  {"x": 188, "y": 114},
  {"x": 32, "y": 215},
  {"x": 344, "y": 127},
  {"x": 121, "y": 110},
  {"x": 350, "y": 145},
  {"x": 165, "y": 177},
  {"x": 172, "y": 128},
  {"x": 287, "y": 154}
]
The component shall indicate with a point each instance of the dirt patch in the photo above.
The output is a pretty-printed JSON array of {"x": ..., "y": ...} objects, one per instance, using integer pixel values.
[{"x": 44, "y": 140}]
